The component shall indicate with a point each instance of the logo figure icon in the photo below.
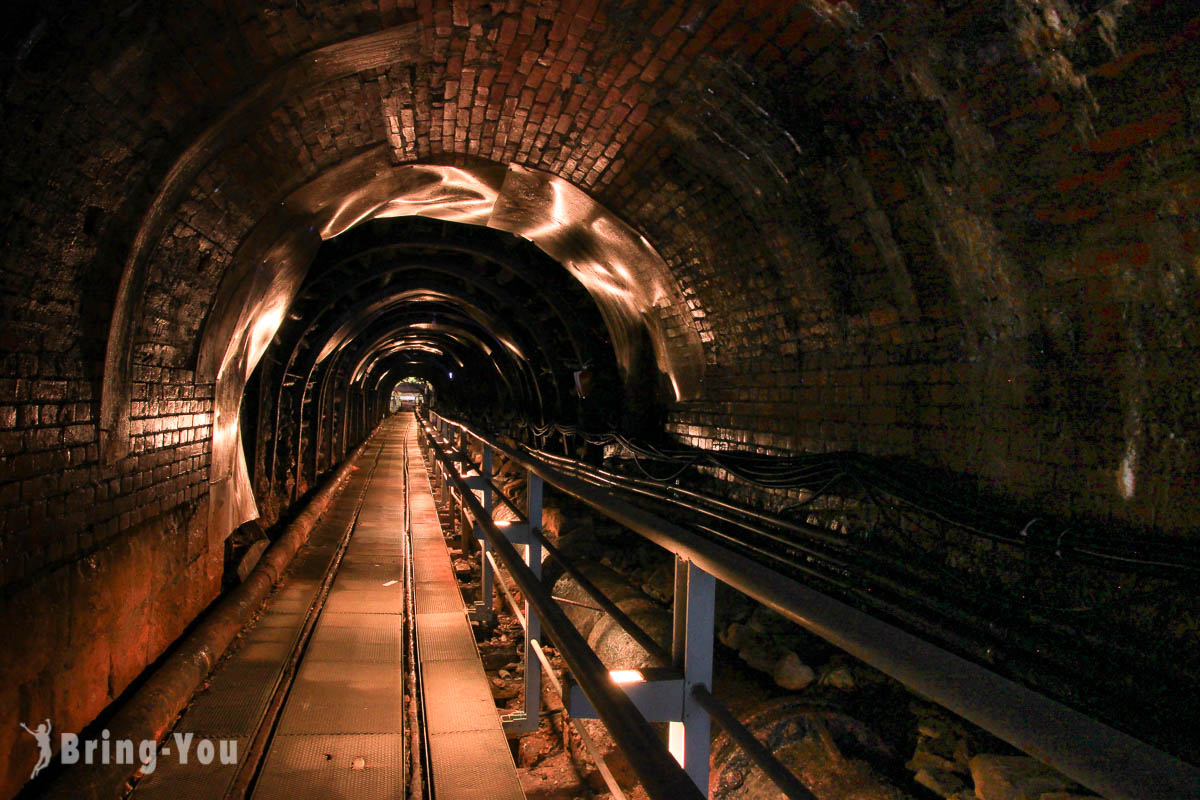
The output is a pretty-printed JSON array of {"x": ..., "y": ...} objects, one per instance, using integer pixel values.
[{"x": 42, "y": 734}]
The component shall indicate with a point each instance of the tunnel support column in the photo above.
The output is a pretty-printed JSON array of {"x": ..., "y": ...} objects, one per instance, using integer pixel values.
[
  {"x": 526, "y": 721},
  {"x": 482, "y": 483},
  {"x": 692, "y": 652}
]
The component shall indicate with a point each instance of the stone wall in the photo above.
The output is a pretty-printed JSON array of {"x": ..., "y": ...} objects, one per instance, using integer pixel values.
[
  {"x": 976, "y": 246},
  {"x": 78, "y": 632}
]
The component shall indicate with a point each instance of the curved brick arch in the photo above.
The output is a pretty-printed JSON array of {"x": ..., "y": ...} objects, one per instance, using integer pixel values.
[{"x": 312, "y": 73}]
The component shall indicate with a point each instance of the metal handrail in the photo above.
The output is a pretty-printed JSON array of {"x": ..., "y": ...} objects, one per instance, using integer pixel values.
[
  {"x": 771, "y": 766},
  {"x": 614, "y": 788},
  {"x": 610, "y": 780},
  {"x": 823, "y": 535},
  {"x": 623, "y": 620},
  {"x": 659, "y": 772},
  {"x": 1110, "y": 762}
]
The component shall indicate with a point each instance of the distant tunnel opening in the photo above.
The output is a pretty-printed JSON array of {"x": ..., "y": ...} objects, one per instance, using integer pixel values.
[{"x": 495, "y": 328}]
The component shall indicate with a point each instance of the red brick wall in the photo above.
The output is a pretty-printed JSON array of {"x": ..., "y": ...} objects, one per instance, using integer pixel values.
[{"x": 104, "y": 565}]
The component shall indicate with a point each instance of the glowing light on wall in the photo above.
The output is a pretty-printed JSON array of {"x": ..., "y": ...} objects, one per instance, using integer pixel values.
[
  {"x": 1126, "y": 475},
  {"x": 622, "y": 676}
]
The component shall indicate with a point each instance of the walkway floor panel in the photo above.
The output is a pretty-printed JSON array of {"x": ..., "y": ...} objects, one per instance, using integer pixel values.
[
  {"x": 317, "y": 767},
  {"x": 232, "y": 705},
  {"x": 340, "y": 732}
]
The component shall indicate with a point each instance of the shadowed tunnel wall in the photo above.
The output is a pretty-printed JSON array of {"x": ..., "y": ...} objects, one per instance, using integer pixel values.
[{"x": 962, "y": 232}]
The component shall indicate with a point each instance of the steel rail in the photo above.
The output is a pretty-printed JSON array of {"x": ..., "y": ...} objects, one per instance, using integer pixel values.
[
  {"x": 1104, "y": 759},
  {"x": 415, "y": 782},
  {"x": 659, "y": 772}
]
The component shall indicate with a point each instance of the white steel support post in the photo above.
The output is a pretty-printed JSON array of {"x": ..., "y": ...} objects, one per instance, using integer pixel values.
[
  {"x": 443, "y": 482},
  {"x": 437, "y": 476},
  {"x": 692, "y": 652},
  {"x": 443, "y": 478},
  {"x": 483, "y": 609},
  {"x": 439, "y": 469},
  {"x": 533, "y": 625}
]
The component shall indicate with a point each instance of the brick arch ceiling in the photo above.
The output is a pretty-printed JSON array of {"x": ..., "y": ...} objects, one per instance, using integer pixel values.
[
  {"x": 963, "y": 231},
  {"x": 624, "y": 273}
]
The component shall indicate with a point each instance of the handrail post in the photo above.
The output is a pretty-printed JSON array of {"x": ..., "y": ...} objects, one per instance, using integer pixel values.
[
  {"x": 437, "y": 485},
  {"x": 527, "y": 720},
  {"x": 443, "y": 481},
  {"x": 533, "y": 625},
  {"x": 483, "y": 608},
  {"x": 465, "y": 532},
  {"x": 692, "y": 651}
]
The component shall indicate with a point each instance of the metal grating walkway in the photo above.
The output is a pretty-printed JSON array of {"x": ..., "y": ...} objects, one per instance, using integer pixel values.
[
  {"x": 340, "y": 734},
  {"x": 469, "y": 757},
  {"x": 340, "y": 731},
  {"x": 234, "y": 703}
]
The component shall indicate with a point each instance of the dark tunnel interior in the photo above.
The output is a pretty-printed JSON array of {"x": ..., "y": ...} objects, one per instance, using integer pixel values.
[
  {"x": 497, "y": 329},
  {"x": 904, "y": 295}
]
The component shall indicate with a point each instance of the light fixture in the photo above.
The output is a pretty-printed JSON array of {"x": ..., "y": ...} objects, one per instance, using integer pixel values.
[{"x": 620, "y": 676}]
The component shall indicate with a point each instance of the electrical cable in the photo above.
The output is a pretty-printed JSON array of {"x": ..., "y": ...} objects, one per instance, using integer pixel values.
[{"x": 904, "y": 486}]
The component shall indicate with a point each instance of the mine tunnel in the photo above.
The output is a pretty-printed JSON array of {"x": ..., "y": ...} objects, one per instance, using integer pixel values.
[{"x": 600, "y": 399}]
